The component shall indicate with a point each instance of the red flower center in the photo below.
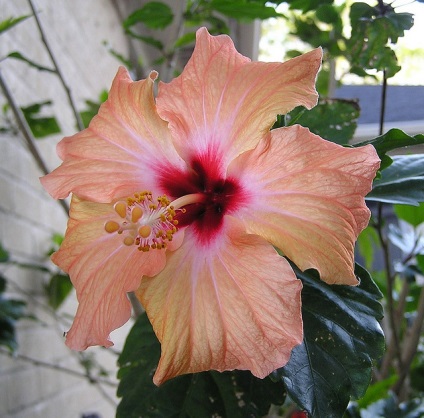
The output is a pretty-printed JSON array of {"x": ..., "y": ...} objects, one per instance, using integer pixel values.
[{"x": 222, "y": 196}]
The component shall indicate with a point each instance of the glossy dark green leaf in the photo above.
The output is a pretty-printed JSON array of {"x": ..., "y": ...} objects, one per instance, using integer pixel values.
[
  {"x": 332, "y": 119},
  {"x": 58, "y": 289},
  {"x": 154, "y": 15},
  {"x": 11, "y": 21},
  {"x": 235, "y": 394},
  {"x": 391, "y": 140},
  {"x": 243, "y": 9},
  {"x": 342, "y": 340},
  {"x": 402, "y": 182},
  {"x": 18, "y": 56}
]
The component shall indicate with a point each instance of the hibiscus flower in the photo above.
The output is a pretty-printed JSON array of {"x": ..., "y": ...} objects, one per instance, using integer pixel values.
[{"x": 184, "y": 199}]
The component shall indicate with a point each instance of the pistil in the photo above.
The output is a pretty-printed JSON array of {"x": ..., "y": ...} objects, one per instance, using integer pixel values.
[{"x": 147, "y": 223}]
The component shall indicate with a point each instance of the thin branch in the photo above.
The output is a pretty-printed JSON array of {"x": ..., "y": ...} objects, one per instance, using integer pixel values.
[
  {"x": 390, "y": 284},
  {"x": 383, "y": 103},
  {"x": 26, "y": 132},
  {"x": 36, "y": 362},
  {"x": 411, "y": 342},
  {"x": 173, "y": 56},
  {"x": 58, "y": 71}
]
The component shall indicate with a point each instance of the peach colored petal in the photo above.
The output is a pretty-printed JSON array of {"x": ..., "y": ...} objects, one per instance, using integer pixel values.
[
  {"x": 223, "y": 103},
  {"x": 103, "y": 270},
  {"x": 123, "y": 150},
  {"x": 308, "y": 198},
  {"x": 233, "y": 305}
]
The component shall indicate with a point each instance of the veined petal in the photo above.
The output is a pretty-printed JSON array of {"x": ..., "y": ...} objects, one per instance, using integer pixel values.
[
  {"x": 103, "y": 270},
  {"x": 232, "y": 305},
  {"x": 309, "y": 198},
  {"x": 126, "y": 145},
  {"x": 222, "y": 103}
]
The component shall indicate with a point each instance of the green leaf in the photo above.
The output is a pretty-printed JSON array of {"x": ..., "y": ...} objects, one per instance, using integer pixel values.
[
  {"x": 235, "y": 394},
  {"x": 391, "y": 140},
  {"x": 11, "y": 21},
  {"x": 58, "y": 289},
  {"x": 92, "y": 108},
  {"x": 342, "y": 339},
  {"x": 243, "y": 9},
  {"x": 378, "y": 390},
  {"x": 186, "y": 39},
  {"x": 146, "y": 39},
  {"x": 18, "y": 56},
  {"x": 402, "y": 182},
  {"x": 389, "y": 408},
  {"x": 411, "y": 214},
  {"x": 327, "y": 13},
  {"x": 10, "y": 311},
  {"x": 41, "y": 126},
  {"x": 332, "y": 119},
  {"x": 368, "y": 243},
  {"x": 154, "y": 15},
  {"x": 4, "y": 254}
]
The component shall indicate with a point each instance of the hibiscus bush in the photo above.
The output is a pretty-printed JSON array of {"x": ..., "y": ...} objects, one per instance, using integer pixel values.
[{"x": 227, "y": 204}]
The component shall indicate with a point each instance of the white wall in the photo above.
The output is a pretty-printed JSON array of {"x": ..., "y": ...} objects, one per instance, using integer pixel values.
[{"x": 28, "y": 216}]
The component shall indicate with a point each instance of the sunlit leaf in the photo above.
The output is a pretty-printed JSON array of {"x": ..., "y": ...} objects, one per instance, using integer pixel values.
[
  {"x": 411, "y": 214},
  {"x": 342, "y": 340}
]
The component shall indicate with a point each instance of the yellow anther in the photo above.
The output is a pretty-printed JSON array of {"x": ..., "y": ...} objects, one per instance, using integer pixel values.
[
  {"x": 128, "y": 240},
  {"x": 145, "y": 231},
  {"x": 136, "y": 214},
  {"x": 111, "y": 226},
  {"x": 121, "y": 209}
]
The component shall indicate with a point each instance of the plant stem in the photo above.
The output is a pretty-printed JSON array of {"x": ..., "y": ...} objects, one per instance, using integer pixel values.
[
  {"x": 411, "y": 342},
  {"x": 390, "y": 284},
  {"x": 383, "y": 103},
  {"x": 57, "y": 367},
  {"x": 26, "y": 132},
  {"x": 58, "y": 71}
]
